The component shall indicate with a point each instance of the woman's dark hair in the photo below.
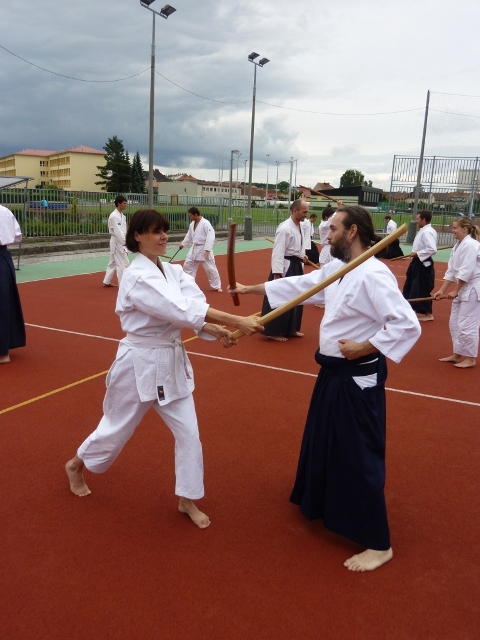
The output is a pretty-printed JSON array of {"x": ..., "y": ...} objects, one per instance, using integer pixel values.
[
  {"x": 363, "y": 220},
  {"x": 144, "y": 221}
]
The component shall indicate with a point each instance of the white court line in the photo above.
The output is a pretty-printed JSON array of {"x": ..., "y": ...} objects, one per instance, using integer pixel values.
[{"x": 264, "y": 366}]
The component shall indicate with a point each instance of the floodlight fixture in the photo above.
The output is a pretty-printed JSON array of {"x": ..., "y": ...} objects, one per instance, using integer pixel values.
[
  {"x": 146, "y": 3},
  {"x": 167, "y": 11},
  {"x": 252, "y": 56},
  {"x": 263, "y": 62}
]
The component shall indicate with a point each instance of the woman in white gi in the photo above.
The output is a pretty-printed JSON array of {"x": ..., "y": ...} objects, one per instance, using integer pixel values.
[
  {"x": 201, "y": 235},
  {"x": 323, "y": 231},
  {"x": 464, "y": 272},
  {"x": 155, "y": 302}
]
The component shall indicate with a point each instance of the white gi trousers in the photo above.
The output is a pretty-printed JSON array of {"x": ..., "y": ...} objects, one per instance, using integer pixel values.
[
  {"x": 118, "y": 262},
  {"x": 464, "y": 325},
  {"x": 123, "y": 411},
  {"x": 190, "y": 266}
]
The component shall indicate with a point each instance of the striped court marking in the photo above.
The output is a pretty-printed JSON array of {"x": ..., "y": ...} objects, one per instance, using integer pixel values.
[{"x": 205, "y": 355}]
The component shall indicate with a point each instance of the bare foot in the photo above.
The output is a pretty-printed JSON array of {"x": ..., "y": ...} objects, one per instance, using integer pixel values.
[
  {"x": 110, "y": 284},
  {"x": 219, "y": 290},
  {"x": 368, "y": 560},
  {"x": 466, "y": 364},
  {"x": 277, "y": 338},
  {"x": 454, "y": 358},
  {"x": 298, "y": 334},
  {"x": 425, "y": 317},
  {"x": 320, "y": 306},
  {"x": 197, "y": 517},
  {"x": 4, "y": 359},
  {"x": 74, "y": 469}
]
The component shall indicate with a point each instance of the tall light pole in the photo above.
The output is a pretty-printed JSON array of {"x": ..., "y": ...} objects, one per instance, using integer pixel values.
[
  {"x": 230, "y": 186},
  {"x": 266, "y": 188},
  {"x": 248, "y": 217},
  {"x": 163, "y": 13}
]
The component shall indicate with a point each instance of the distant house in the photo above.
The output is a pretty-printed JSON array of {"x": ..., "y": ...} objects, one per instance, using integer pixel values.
[
  {"x": 186, "y": 185},
  {"x": 364, "y": 196},
  {"x": 70, "y": 169}
]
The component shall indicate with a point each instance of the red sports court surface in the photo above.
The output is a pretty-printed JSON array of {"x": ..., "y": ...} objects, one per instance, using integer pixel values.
[{"x": 124, "y": 564}]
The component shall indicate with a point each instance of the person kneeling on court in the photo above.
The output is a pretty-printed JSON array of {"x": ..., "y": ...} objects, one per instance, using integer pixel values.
[{"x": 155, "y": 302}]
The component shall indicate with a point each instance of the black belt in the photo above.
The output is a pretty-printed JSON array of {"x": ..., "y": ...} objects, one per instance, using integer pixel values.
[
  {"x": 343, "y": 367},
  {"x": 293, "y": 259}
]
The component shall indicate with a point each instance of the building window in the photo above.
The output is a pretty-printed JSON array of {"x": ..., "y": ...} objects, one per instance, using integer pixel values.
[
  {"x": 42, "y": 174},
  {"x": 42, "y": 163}
]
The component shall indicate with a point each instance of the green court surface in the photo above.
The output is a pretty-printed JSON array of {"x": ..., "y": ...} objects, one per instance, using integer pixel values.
[{"x": 69, "y": 266}]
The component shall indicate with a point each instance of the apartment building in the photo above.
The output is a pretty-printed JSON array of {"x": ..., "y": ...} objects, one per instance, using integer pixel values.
[{"x": 70, "y": 169}]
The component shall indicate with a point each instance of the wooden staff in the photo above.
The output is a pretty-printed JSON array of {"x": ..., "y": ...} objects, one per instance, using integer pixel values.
[
  {"x": 410, "y": 255},
  {"x": 339, "y": 202},
  {"x": 328, "y": 281},
  {"x": 174, "y": 255},
  {"x": 312, "y": 264},
  {"x": 426, "y": 299},
  {"x": 232, "y": 281}
]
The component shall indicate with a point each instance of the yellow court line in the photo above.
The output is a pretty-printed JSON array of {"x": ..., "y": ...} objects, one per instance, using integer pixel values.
[
  {"x": 51, "y": 393},
  {"x": 74, "y": 384}
]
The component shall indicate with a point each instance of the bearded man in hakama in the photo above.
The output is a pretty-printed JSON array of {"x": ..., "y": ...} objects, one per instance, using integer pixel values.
[
  {"x": 201, "y": 235},
  {"x": 12, "y": 326},
  {"x": 288, "y": 256},
  {"x": 156, "y": 300},
  {"x": 341, "y": 470}
]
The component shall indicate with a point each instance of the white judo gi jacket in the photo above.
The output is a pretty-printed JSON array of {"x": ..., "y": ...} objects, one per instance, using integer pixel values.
[
  {"x": 117, "y": 226},
  {"x": 201, "y": 239},
  {"x": 464, "y": 264},
  {"x": 153, "y": 309},
  {"x": 290, "y": 240},
  {"x": 425, "y": 244},
  {"x": 10, "y": 232},
  {"x": 366, "y": 304}
]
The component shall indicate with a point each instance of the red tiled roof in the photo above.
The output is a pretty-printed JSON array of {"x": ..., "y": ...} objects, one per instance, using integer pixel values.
[
  {"x": 43, "y": 152},
  {"x": 82, "y": 149},
  {"x": 33, "y": 152}
]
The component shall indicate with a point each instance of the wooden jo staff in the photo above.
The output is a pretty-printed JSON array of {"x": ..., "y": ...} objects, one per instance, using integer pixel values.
[
  {"x": 426, "y": 299},
  {"x": 232, "y": 281},
  {"x": 410, "y": 255},
  {"x": 312, "y": 264},
  {"x": 328, "y": 281}
]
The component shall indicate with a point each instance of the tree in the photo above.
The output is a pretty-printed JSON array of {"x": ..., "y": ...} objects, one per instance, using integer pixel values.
[
  {"x": 354, "y": 178},
  {"x": 137, "y": 180},
  {"x": 115, "y": 174},
  {"x": 283, "y": 186}
]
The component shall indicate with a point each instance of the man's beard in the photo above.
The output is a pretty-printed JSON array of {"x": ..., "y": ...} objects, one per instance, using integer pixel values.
[{"x": 341, "y": 249}]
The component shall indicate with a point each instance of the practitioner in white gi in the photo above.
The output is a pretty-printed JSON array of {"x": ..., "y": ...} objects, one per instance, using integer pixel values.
[
  {"x": 341, "y": 470},
  {"x": 117, "y": 225},
  {"x": 155, "y": 302},
  {"x": 12, "y": 326},
  {"x": 464, "y": 272},
  {"x": 394, "y": 250},
  {"x": 421, "y": 272},
  {"x": 311, "y": 249},
  {"x": 323, "y": 231},
  {"x": 288, "y": 257},
  {"x": 201, "y": 235}
]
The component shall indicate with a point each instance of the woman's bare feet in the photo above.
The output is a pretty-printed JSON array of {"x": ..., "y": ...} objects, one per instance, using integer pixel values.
[
  {"x": 368, "y": 560},
  {"x": 425, "y": 317},
  {"x": 454, "y": 358},
  {"x": 4, "y": 359},
  {"x": 466, "y": 364},
  {"x": 187, "y": 506},
  {"x": 74, "y": 469},
  {"x": 277, "y": 338}
]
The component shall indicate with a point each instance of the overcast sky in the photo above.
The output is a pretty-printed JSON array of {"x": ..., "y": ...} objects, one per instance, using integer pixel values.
[{"x": 347, "y": 57}]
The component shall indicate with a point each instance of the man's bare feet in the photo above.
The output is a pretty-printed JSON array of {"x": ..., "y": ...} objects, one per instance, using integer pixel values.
[
  {"x": 277, "y": 338},
  {"x": 298, "y": 334},
  {"x": 424, "y": 317},
  {"x": 74, "y": 469},
  {"x": 466, "y": 364},
  {"x": 187, "y": 506},
  {"x": 320, "y": 306},
  {"x": 110, "y": 284},
  {"x": 368, "y": 560},
  {"x": 454, "y": 358},
  {"x": 4, "y": 359},
  {"x": 219, "y": 290}
]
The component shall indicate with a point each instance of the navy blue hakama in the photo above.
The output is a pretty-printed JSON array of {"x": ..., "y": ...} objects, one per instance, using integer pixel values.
[
  {"x": 12, "y": 326},
  {"x": 288, "y": 323},
  {"x": 419, "y": 284},
  {"x": 341, "y": 470}
]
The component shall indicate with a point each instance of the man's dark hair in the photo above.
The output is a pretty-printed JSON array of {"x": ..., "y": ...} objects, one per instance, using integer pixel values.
[
  {"x": 194, "y": 211},
  {"x": 144, "y": 221},
  {"x": 363, "y": 220},
  {"x": 119, "y": 200},
  {"x": 296, "y": 205},
  {"x": 327, "y": 212},
  {"x": 313, "y": 215},
  {"x": 425, "y": 214},
  {"x": 388, "y": 217}
]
